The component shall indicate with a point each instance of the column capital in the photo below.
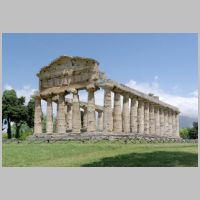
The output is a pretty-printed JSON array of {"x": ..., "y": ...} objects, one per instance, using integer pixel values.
[
  {"x": 125, "y": 94},
  {"x": 108, "y": 86},
  {"x": 92, "y": 88},
  {"x": 36, "y": 97}
]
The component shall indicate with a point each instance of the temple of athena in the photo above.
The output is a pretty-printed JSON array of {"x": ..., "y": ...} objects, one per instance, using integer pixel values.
[{"x": 138, "y": 113}]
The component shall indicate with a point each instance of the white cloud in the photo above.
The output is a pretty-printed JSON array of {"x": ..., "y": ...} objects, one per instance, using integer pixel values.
[
  {"x": 187, "y": 105},
  {"x": 8, "y": 87},
  {"x": 25, "y": 91},
  {"x": 156, "y": 77}
]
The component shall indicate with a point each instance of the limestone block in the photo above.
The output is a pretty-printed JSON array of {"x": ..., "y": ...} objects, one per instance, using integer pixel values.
[
  {"x": 177, "y": 125},
  {"x": 157, "y": 119},
  {"x": 174, "y": 123},
  {"x": 126, "y": 114},
  {"x": 170, "y": 123},
  {"x": 61, "y": 125},
  {"x": 37, "y": 117},
  {"x": 107, "y": 115},
  {"x": 146, "y": 117},
  {"x": 91, "y": 115},
  {"x": 69, "y": 117},
  {"x": 152, "y": 126},
  {"x": 49, "y": 123},
  {"x": 133, "y": 120},
  {"x": 166, "y": 115},
  {"x": 162, "y": 122},
  {"x": 76, "y": 116},
  {"x": 140, "y": 116},
  {"x": 100, "y": 121},
  {"x": 117, "y": 114}
]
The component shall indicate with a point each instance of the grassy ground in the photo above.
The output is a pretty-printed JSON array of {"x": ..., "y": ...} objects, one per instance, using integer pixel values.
[{"x": 100, "y": 154}]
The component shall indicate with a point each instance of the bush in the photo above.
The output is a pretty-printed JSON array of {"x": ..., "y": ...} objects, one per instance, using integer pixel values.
[
  {"x": 25, "y": 131},
  {"x": 184, "y": 133},
  {"x": 193, "y": 133}
]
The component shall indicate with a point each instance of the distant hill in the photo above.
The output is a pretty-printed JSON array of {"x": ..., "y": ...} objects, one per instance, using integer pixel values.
[{"x": 186, "y": 122}]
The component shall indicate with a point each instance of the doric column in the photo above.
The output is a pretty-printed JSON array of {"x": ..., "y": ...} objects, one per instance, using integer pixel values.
[
  {"x": 126, "y": 114},
  {"x": 100, "y": 120},
  {"x": 76, "y": 115},
  {"x": 162, "y": 122},
  {"x": 107, "y": 112},
  {"x": 157, "y": 119},
  {"x": 49, "y": 125},
  {"x": 174, "y": 123},
  {"x": 91, "y": 115},
  {"x": 117, "y": 114},
  {"x": 152, "y": 127},
  {"x": 141, "y": 116},
  {"x": 61, "y": 126},
  {"x": 133, "y": 120},
  {"x": 166, "y": 122},
  {"x": 69, "y": 117},
  {"x": 170, "y": 123},
  {"x": 177, "y": 125},
  {"x": 146, "y": 117},
  {"x": 85, "y": 118},
  {"x": 37, "y": 117}
]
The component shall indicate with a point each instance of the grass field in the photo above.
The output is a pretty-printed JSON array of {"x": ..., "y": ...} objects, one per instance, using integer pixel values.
[{"x": 100, "y": 154}]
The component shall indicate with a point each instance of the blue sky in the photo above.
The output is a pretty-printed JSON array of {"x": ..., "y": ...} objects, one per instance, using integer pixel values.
[{"x": 165, "y": 62}]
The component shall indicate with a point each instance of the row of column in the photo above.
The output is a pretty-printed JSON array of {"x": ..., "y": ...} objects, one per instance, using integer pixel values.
[
  {"x": 141, "y": 116},
  {"x": 68, "y": 117}
]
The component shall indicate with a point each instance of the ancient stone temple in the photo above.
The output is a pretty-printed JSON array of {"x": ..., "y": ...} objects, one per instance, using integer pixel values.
[{"x": 138, "y": 113}]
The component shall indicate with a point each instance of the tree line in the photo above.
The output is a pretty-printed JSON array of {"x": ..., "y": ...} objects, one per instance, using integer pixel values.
[
  {"x": 190, "y": 133},
  {"x": 14, "y": 110}
]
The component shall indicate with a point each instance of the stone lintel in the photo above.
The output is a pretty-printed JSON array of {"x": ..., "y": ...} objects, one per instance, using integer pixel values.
[{"x": 123, "y": 88}]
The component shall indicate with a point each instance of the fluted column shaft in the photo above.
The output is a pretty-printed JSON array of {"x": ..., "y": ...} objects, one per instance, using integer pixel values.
[
  {"x": 162, "y": 122},
  {"x": 152, "y": 127},
  {"x": 91, "y": 115},
  {"x": 49, "y": 125},
  {"x": 170, "y": 123},
  {"x": 133, "y": 120},
  {"x": 100, "y": 121},
  {"x": 76, "y": 115},
  {"x": 166, "y": 122},
  {"x": 117, "y": 115},
  {"x": 126, "y": 115},
  {"x": 174, "y": 123},
  {"x": 85, "y": 118},
  {"x": 37, "y": 117},
  {"x": 69, "y": 117},
  {"x": 157, "y": 119},
  {"x": 61, "y": 125},
  {"x": 140, "y": 116},
  {"x": 107, "y": 115},
  {"x": 146, "y": 118},
  {"x": 177, "y": 125}
]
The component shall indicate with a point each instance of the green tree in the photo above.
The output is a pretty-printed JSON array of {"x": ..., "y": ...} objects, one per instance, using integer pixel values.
[
  {"x": 9, "y": 102},
  {"x": 19, "y": 115},
  {"x": 193, "y": 132},
  {"x": 184, "y": 133},
  {"x": 30, "y": 111}
]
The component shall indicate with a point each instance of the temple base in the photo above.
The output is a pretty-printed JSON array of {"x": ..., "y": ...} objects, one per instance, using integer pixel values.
[{"x": 102, "y": 136}]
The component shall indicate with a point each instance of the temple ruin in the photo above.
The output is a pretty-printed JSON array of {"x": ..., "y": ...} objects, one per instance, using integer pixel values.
[{"x": 139, "y": 114}]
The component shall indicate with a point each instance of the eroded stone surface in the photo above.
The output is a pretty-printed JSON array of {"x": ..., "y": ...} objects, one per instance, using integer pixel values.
[{"x": 146, "y": 114}]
